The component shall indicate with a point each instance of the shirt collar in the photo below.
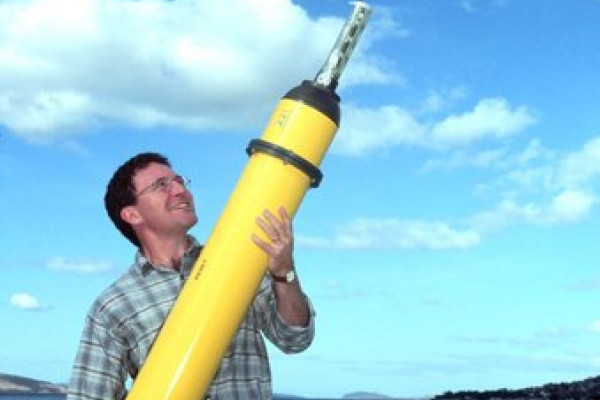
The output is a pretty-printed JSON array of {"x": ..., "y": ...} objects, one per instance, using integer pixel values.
[{"x": 188, "y": 259}]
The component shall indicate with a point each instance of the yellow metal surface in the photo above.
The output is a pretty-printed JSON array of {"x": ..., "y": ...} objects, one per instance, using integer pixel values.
[
  {"x": 302, "y": 129},
  {"x": 223, "y": 282}
]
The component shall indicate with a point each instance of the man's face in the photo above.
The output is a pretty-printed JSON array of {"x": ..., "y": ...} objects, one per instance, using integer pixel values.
[{"x": 164, "y": 205}]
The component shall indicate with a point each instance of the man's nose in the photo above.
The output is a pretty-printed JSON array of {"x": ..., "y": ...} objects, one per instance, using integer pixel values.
[{"x": 177, "y": 187}]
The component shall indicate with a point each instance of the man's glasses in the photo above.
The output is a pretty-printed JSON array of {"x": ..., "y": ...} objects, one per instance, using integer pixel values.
[{"x": 165, "y": 184}]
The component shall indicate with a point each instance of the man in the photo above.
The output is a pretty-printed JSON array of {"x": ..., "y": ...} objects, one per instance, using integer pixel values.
[{"x": 152, "y": 207}]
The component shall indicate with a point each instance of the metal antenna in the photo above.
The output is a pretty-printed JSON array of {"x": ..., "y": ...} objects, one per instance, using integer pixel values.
[{"x": 330, "y": 73}]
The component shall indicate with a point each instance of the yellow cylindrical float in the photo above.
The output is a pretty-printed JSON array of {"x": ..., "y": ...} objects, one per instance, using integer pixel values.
[{"x": 283, "y": 165}]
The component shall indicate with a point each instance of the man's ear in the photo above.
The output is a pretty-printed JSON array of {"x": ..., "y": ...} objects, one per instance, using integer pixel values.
[{"x": 131, "y": 215}]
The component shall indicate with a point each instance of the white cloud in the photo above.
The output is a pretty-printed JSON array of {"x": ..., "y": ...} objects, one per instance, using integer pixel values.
[
  {"x": 393, "y": 234},
  {"x": 531, "y": 167},
  {"x": 543, "y": 187},
  {"x": 536, "y": 186},
  {"x": 78, "y": 267},
  {"x": 570, "y": 206},
  {"x": 490, "y": 118},
  {"x": 44, "y": 116},
  {"x": 437, "y": 101},
  {"x": 581, "y": 167},
  {"x": 565, "y": 207},
  {"x": 505, "y": 213},
  {"x": 595, "y": 327},
  {"x": 459, "y": 159},
  {"x": 467, "y": 6},
  {"x": 26, "y": 301},
  {"x": 364, "y": 130},
  {"x": 68, "y": 65}
]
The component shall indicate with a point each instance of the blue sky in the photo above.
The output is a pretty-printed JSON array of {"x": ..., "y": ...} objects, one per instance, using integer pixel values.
[{"x": 453, "y": 242}]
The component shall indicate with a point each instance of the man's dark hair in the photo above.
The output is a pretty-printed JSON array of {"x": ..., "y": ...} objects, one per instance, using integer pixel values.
[{"x": 120, "y": 191}]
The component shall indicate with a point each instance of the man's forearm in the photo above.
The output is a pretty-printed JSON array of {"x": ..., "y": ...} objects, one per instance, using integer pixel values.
[{"x": 291, "y": 303}]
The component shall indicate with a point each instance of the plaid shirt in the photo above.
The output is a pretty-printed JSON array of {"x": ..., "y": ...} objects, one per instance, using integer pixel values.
[{"x": 125, "y": 319}]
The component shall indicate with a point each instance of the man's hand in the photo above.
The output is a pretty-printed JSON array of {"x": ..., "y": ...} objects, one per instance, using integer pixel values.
[
  {"x": 291, "y": 302},
  {"x": 281, "y": 246}
]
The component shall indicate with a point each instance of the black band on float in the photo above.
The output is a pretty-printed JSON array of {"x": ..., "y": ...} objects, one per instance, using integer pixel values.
[{"x": 288, "y": 157}]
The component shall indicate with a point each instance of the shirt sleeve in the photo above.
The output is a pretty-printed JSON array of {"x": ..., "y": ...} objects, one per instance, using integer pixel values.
[
  {"x": 288, "y": 338},
  {"x": 99, "y": 371}
]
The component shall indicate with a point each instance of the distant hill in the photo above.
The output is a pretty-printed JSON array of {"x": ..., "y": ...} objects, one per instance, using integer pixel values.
[
  {"x": 366, "y": 396},
  {"x": 587, "y": 389},
  {"x": 13, "y": 384},
  {"x": 19, "y": 384}
]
